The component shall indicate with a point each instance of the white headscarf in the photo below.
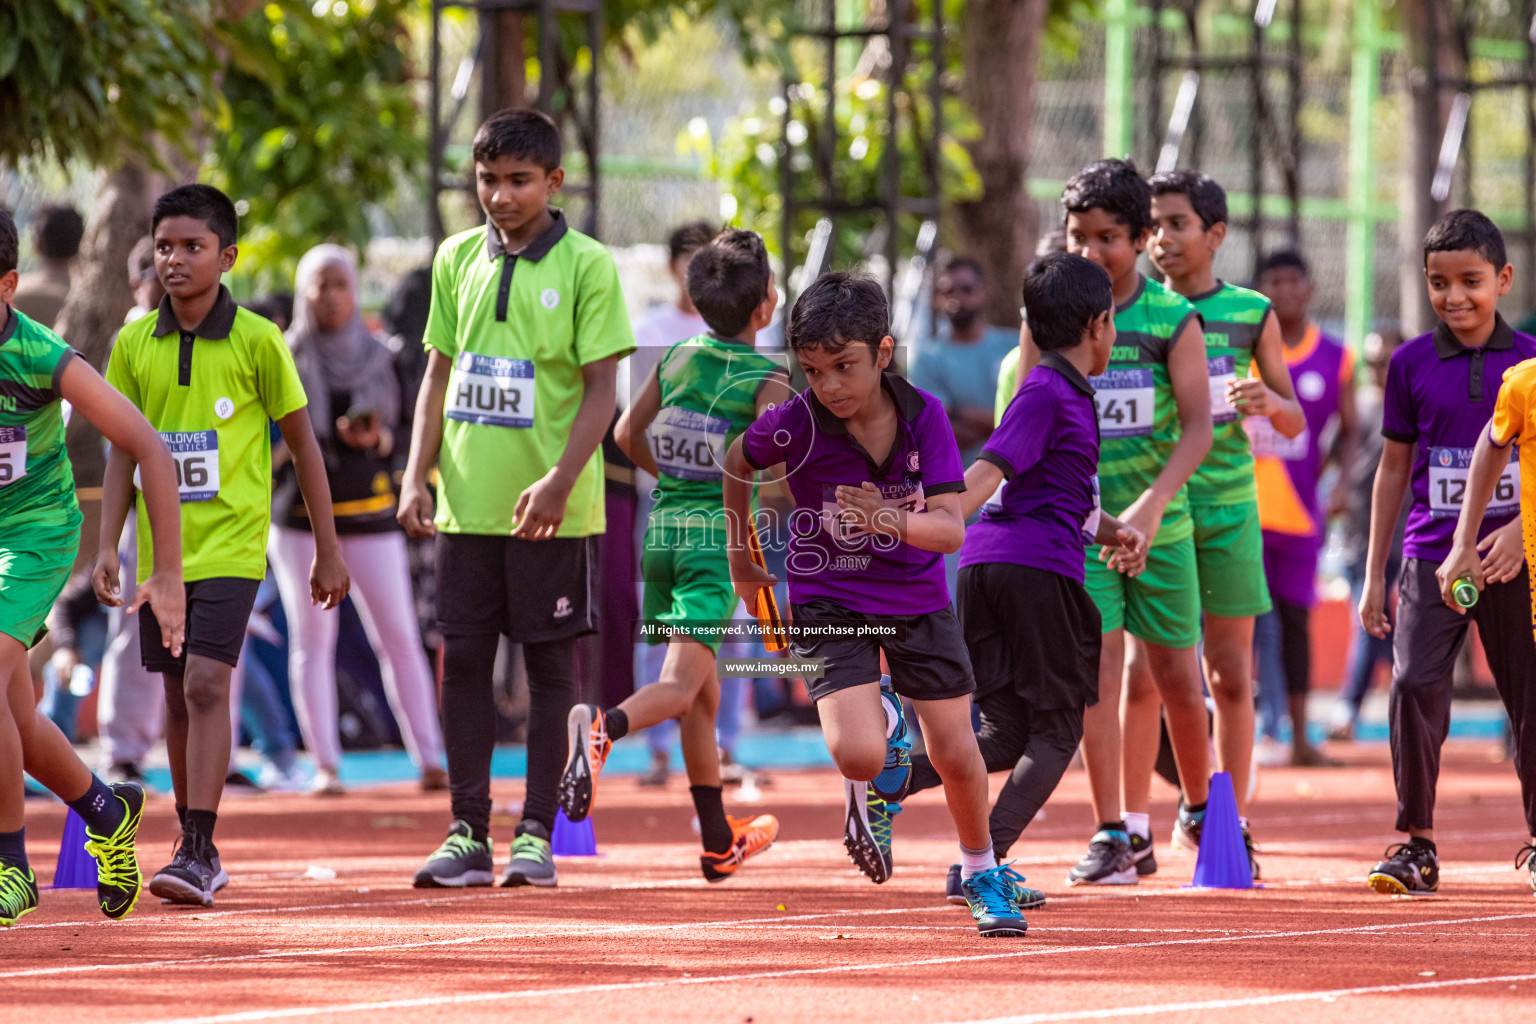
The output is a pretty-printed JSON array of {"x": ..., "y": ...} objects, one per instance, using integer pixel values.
[{"x": 350, "y": 359}]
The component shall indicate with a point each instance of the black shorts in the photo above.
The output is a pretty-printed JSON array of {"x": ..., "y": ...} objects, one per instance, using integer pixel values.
[
  {"x": 217, "y": 612},
  {"x": 533, "y": 591},
  {"x": 926, "y": 653},
  {"x": 1035, "y": 632}
]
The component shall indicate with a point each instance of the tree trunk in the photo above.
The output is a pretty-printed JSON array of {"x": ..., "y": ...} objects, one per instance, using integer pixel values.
[
  {"x": 1432, "y": 54},
  {"x": 503, "y": 78},
  {"x": 1000, "y": 47}
]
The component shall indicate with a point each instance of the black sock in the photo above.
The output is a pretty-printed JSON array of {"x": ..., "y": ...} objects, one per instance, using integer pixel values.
[
  {"x": 200, "y": 824},
  {"x": 13, "y": 848},
  {"x": 1428, "y": 844},
  {"x": 181, "y": 816},
  {"x": 99, "y": 808},
  {"x": 714, "y": 830},
  {"x": 617, "y": 723},
  {"x": 1196, "y": 809},
  {"x": 1112, "y": 826}
]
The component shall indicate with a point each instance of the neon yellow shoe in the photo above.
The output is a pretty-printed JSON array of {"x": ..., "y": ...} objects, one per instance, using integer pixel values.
[
  {"x": 117, "y": 867},
  {"x": 18, "y": 893}
]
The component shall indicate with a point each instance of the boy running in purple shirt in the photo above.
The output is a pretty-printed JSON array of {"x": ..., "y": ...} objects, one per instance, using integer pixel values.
[
  {"x": 875, "y": 472},
  {"x": 1032, "y": 629}
]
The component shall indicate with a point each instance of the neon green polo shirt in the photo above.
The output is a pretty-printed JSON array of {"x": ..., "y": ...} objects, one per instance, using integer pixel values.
[
  {"x": 210, "y": 393},
  {"x": 518, "y": 329}
]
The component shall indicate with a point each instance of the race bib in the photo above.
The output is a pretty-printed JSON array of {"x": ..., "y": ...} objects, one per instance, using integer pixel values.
[
  {"x": 1448, "y": 483},
  {"x": 1222, "y": 374},
  {"x": 1091, "y": 523},
  {"x": 196, "y": 455},
  {"x": 1125, "y": 401},
  {"x": 688, "y": 445},
  {"x": 1267, "y": 442},
  {"x": 492, "y": 391},
  {"x": 13, "y": 454},
  {"x": 837, "y": 522}
]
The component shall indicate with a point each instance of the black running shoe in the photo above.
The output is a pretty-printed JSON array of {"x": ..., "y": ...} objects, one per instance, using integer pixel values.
[
  {"x": 1409, "y": 870},
  {"x": 188, "y": 878},
  {"x": 459, "y": 862},
  {"x": 1526, "y": 858},
  {"x": 1141, "y": 853},
  {"x": 117, "y": 867},
  {"x": 1107, "y": 862},
  {"x": 1253, "y": 862}
]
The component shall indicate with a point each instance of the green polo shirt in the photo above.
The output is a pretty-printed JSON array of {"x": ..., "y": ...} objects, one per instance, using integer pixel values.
[
  {"x": 36, "y": 484},
  {"x": 210, "y": 393},
  {"x": 518, "y": 329}
]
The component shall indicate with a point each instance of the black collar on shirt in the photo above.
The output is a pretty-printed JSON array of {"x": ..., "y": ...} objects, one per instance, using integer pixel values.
[
  {"x": 909, "y": 406},
  {"x": 1448, "y": 347},
  {"x": 1060, "y": 363},
  {"x": 11, "y": 323},
  {"x": 1141, "y": 286},
  {"x": 1220, "y": 287},
  {"x": 534, "y": 250},
  {"x": 215, "y": 327}
]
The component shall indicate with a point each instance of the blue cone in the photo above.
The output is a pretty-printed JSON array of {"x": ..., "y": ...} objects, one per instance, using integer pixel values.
[
  {"x": 1223, "y": 860},
  {"x": 573, "y": 838},
  {"x": 76, "y": 869}
]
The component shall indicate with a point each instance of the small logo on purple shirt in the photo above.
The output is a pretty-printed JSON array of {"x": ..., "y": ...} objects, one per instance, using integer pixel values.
[{"x": 912, "y": 461}]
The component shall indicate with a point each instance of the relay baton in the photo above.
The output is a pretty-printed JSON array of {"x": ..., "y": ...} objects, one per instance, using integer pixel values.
[{"x": 767, "y": 607}]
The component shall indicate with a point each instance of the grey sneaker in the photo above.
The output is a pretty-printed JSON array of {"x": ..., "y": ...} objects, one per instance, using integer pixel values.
[
  {"x": 533, "y": 861},
  {"x": 458, "y": 863}
]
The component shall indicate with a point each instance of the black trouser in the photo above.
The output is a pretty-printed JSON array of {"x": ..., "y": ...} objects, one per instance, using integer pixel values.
[
  {"x": 1295, "y": 646},
  {"x": 469, "y": 723},
  {"x": 1427, "y": 640},
  {"x": 1036, "y": 744}
]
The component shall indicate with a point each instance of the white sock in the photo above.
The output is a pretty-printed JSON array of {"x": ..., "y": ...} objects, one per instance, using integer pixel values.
[
  {"x": 891, "y": 719},
  {"x": 1138, "y": 824},
  {"x": 974, "y": 862}
]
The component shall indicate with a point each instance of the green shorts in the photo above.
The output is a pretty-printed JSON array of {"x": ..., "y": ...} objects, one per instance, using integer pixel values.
[
  {"x": 1229, "y": 552},
  {"x": 35, "y": 563},
  {"x": 687, "y": 588},
  {"x": 1161, "y": 606}
]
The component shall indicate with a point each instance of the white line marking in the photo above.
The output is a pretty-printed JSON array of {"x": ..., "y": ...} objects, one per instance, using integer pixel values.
[{"x": 513, "y": 994}]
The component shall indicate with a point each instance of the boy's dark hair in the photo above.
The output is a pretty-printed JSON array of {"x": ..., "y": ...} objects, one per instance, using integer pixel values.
[
  {"x": 200, "y": 202},
  {"x": 1468, "y": 230},
  {"x": 1206, "y": 197},
  {"x": 840, "y": 309},
  {"x": 521, "y": 133},
  {"x": 728, "y": 279},
  {"x": 970, "y": 263},
  {"x": 1284, "y": 259},
  {"x": 689, "y": 238},
  {"x": 56, "y": 232},
  {"x": 1117, "y": 188},
  {"x": 1063, "y": 294},
  {"x": 10, "y": 245}
]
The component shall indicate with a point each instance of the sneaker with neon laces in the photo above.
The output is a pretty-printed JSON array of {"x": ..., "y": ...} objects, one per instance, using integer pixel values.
[
  {"x": 1187, "y": 828},
  {"x": 895, "y": 779},
  {"x": 589, "y": 744},
  {"x": 460, "y": 862},
  {"x": 1410, "y": 869},
  {"x": 994, "y": 903},
  {"x": 1107, "y": 862},
  {"x": 1028, "y": 899},
  {"x": 188, "y": 879},
  {"x": 1141, "y": 853},
  {"x": 1526, "y": 858},
  {"x": 867, "y": 829},
  {"x": 533, "y": 859},
  {"x": 18, "y": 893},
  {"x": 749, "y": 837},
  {"x": 117, "y": 868}
]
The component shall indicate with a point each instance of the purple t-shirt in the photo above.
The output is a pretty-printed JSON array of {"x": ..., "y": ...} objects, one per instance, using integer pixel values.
[
  {"x": 1047, "y": 446},
  {"x": 868, "y": 573},
  {"x": 1439, "y": 398}
]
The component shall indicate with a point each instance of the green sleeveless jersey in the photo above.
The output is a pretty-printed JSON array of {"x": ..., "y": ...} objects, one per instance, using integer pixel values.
[
  {"x": 1138, "y": 418},
  {"x": 1234, "y": 317},
  {"x": 708, "y": 397},
  {"x": 36, "y": 482}
]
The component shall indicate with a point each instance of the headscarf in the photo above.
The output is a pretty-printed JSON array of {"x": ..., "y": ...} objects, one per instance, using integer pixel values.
[{"x": 350, "y": 359}]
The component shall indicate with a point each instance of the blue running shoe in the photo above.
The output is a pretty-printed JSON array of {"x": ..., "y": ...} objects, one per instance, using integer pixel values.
[
  {"x": 994, "y": 904},
  {"x": 867, "y": 829},
  {"x": 895, "y": 780},
  {"x": 1029, "y": 899}
]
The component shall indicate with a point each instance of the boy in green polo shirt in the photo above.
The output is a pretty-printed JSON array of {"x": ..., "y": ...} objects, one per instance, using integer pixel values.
[
  {"x": 1189, "y": 210},
  {"x": 1155, "y": 426},
  {"x": 209, "y": 376},
  {"x": 526, "y": 329},
  {"x": 39, "y": 536}
]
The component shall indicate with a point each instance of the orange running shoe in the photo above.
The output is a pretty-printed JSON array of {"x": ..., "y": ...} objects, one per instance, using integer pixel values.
[
  {"x": 589, "y": 752},
  {"x": 749, "y": 836}
]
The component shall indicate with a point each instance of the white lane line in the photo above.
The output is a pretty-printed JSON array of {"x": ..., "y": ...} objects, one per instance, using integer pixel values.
[
  {"x": 1328, "y": 996},
  {"x": 519, "y": 994}
]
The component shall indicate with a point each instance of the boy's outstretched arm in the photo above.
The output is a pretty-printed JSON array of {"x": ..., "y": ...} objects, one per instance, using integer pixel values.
[
  {"x": 133, "y": 440},
  {"x": 629, "y": 433},
  {"x": 1190, "y": 380},
  {"x": 328, "y": 579},
  {"x": 541, "y": 507},
  {"x": 981, "y": 482},
  {"x": 1386, "y": 505},
  {"x": 415, "y": 513},
  {"x": 1271, "y": 394},
  {"x": 1489, "y": 461},
  {"x": 747, "y": 577}
]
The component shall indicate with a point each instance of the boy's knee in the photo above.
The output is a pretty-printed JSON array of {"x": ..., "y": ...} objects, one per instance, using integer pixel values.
[
  {"x": 860, "y": 762},
  {"x": 205, "y": 690}
]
